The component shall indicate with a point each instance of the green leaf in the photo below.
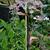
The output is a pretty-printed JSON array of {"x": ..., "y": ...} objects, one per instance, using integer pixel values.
[
  {"x": 11, "y": 33},
  {"x": 4, "y": 43}
]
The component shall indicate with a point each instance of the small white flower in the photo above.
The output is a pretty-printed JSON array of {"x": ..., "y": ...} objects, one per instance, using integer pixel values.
[
  {"x": 34, "y": 18},
  {"x": 46, "y": 18},
  {"x": 31, "y": 11},
  {"x": 38, "y": 16}
]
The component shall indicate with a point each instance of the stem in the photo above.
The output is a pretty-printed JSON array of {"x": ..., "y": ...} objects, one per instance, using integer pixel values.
[{"x": 26, "y": 27}]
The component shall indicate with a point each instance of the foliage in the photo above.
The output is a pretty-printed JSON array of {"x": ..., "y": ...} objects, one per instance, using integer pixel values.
[
  {"x": 41, "y": 30},
  {"x": 12, "y": 35}
]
